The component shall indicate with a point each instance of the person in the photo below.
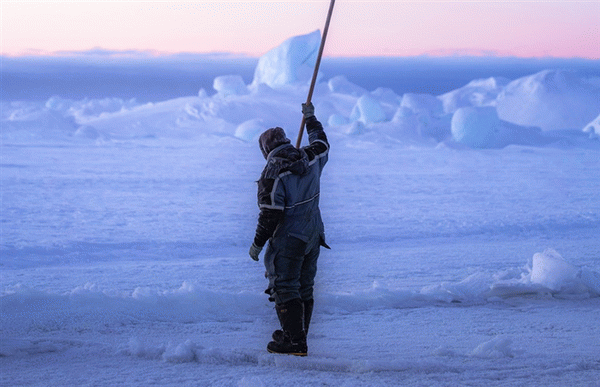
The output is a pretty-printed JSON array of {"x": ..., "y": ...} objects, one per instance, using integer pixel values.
[{"x": 290, "y": 220}]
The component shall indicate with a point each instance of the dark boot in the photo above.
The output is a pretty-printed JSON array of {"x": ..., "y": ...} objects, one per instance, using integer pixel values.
[
  {"x": 308, "y": 309},
  {"x": 293, "y": 340},
  {"x": 278, "y": 334}
]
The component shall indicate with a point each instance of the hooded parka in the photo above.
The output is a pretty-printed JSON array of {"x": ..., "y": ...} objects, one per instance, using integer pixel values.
[{"x": 290, "y": 219}]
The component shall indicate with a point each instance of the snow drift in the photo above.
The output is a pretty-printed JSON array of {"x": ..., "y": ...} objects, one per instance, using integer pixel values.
[
  {"x": 480, "y": 127},
  {"x": 547, "y": 273},
  {"x": 550, "y": 100}
]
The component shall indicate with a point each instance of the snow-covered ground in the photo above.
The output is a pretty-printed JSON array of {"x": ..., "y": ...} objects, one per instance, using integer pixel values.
[{"x": 464, "y": 232}]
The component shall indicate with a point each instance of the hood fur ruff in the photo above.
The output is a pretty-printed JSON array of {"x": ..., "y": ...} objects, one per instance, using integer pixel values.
[
  {"x": 271, "y": 139},
  {"x": 281, "y": 155}
]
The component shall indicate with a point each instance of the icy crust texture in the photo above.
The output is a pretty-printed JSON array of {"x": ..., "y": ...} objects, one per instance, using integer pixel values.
[
  {"x": 547, "y": 274},
  {"x": 552, "y": 106}
]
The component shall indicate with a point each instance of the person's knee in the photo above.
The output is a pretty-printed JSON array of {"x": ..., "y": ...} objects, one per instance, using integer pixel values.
[
  {"x": 282, "y": 296},
  {"x": 306, "y": 293}
]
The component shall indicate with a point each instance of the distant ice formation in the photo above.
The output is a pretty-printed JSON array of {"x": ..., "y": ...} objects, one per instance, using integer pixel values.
[
  {"x": 227, "y": 85},
  {"x": 552, "y": 106},
  {"x": 290, "y": 62},
  {"x": 593, "y": 128},
  {"x": 550, "y": 100}
]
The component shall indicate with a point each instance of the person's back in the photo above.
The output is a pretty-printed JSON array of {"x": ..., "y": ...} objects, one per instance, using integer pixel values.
[{"x": 297, "y": 190}]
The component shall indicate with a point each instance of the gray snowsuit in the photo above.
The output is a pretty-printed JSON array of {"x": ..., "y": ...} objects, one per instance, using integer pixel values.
[{"x": 290, "y": 219}]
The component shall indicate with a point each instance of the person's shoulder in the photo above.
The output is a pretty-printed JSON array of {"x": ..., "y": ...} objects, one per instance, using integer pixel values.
[{"x": 316, "y": 149}]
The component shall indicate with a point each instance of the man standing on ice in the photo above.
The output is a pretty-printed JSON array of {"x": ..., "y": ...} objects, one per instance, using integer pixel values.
[{"x": 290, "y": 220}]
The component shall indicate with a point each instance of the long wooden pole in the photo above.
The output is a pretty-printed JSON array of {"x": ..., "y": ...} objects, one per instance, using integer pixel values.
[{"x": 316, "y": 72}]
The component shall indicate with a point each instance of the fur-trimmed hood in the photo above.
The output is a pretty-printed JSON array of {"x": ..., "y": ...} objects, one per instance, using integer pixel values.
[
  {"x": 271, "y": 139},
  {"x": 286, "y": 158},
  {"x": 281, "y": 155}
]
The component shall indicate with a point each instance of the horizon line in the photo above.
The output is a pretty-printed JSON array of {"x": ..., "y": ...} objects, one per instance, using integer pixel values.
[{"x": 97, "y": 52}]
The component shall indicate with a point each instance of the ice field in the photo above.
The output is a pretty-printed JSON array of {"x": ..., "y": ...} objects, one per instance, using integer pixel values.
[{"x": 464, "y": 232}]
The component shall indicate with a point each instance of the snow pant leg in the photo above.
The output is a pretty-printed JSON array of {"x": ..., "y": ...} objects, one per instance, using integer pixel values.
[
  {"x": 269, "y": 261},
  {"x": 309, "y": 269},
  {"x": 284, "y": 261}
]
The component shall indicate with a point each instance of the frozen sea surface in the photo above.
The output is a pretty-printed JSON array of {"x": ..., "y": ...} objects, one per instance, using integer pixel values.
[{"x": 126, "y": 264}]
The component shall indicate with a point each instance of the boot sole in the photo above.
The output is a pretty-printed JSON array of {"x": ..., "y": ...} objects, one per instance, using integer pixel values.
[{"x": 302, "y": 354}]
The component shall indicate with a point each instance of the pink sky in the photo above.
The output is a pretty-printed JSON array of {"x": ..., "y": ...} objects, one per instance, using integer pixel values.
[{"x": 359, "y": 28}]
